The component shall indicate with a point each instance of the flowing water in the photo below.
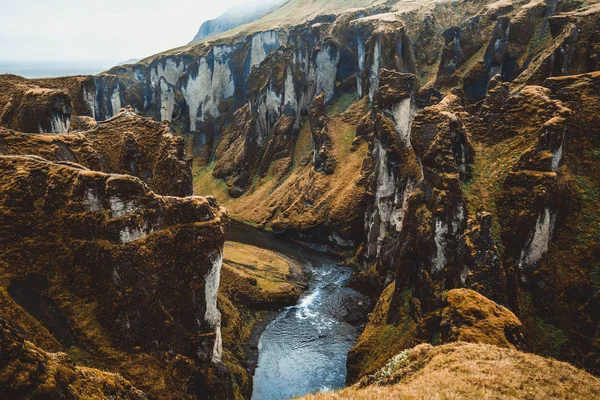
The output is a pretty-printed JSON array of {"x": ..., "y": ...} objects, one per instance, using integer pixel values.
[{"x": 304, "y": 349}]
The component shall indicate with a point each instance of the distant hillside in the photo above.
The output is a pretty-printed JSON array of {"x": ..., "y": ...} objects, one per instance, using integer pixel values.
[{"x": 237, "y": 16}]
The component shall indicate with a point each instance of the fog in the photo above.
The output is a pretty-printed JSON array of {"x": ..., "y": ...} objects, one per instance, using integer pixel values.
[{"x": 109, "y": 31}]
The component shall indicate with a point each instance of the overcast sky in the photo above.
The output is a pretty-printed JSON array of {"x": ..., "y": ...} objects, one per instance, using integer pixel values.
[{"x": 100, "y": 30}]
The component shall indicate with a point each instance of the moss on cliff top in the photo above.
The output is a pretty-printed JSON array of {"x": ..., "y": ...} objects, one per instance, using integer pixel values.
[
  {"x": 259, "y": 277},
  {"x": 471, "y": 371}
]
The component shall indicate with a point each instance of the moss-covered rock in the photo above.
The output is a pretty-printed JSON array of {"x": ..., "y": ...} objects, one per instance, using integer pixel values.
[
  {"x": 26, "y": 371},
  {"x": 124, "y": 278},
  {"x": 126, "y": 144}
]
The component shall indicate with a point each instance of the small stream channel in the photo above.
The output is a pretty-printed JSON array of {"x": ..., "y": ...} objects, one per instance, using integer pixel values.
[{"x": 304, "y": 349}]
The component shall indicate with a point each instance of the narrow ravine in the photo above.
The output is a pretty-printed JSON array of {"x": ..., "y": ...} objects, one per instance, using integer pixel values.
[{"x": 305, "y": 348}]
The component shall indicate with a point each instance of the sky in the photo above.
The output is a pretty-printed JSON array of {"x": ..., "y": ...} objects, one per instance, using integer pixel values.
[{"x": 110, "y": 31}]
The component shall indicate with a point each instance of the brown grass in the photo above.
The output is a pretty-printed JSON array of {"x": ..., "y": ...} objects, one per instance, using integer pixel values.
[
  {"x": 301, "y": 199},
  {"x": 473, "y": 371},
  {"x": 267, "y": 271}
]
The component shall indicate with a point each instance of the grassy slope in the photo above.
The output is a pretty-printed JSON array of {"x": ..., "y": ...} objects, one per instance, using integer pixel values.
[
  {"x": 472, "y": 371},
  {"x": 270, "y": 199},
  {"x": 266, "y": 271}
]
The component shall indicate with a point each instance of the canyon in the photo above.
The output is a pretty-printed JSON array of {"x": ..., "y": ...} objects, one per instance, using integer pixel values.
[{"x": 162, "y": 221}]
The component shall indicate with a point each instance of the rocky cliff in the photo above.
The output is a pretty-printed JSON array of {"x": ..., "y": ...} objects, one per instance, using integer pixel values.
[
  {"x": 30, "y": 372},
  {"x": 126, "y": 144},
  {"x": 439, "y": 139},
  {"x": 444, "y": 144},
  {"x": 101, "y": 267}
]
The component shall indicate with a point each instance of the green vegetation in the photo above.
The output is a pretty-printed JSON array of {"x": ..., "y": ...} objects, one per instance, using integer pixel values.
[
  {"x": 342, "y": 104},
  {"x": 589, "y": 220},
  {"x": 491, "y": 165},
  {"x": 381, "y": 340},
  {"x": 304, "y": 144},
  {"x": 206, "y": 184}
]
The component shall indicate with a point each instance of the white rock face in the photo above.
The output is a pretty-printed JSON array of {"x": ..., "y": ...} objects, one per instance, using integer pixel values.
[
  {"x": 290, "y": 100},
  {"x": 93, "y": 203},
  {"x": 558, "y": 154},
  {"x": 120, "y": 207},
  {"x": 212, "y": 315},
  {"x": 90, "y": 100},
  {"x": 540, "y": 239},
  {"x": 115, "y": 100},
  {"x": 129, "y": 235},
  {"x": 374, "y": 72},
  {"x": 138, "y": 75},
  {"x": 59, "y": 124},
  {"x": 167, "y": 100},
  {"x": 384, "y": 197},
  {"x": 441, "y": 229},
  {"x": 262, "y": 44},
  {"x": 391, "y": 203},
  {"x": 557, "y": 157},
  {"x": 171, "y": 69},
  {"x": 326, "y": 71},
  {"x": 397, "y": 217},
  {"x": 361, "y": 67},
  {"x": 268, "y": 110},
  {"x": 444, "y": 230},
  {"x": 404, "y": 113},
  {"x": 205, "y": 92}
]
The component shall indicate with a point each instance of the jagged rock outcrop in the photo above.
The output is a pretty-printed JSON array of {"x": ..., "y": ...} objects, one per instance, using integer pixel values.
[
  {"x": 126, "y": 144},
  {"x": 320, "y": 138},
  {"x": 27, "y": 107},
  {"x": 467, "y": 316},
  {"x": 459, "y": 152},
  {"x": 501, "y": 183},
  {"x": 265, "y": 82},
  {"x": 80, "y": 89},
  {"x": 103, "y": 264},
  {"x": 26, "y": 371},
  {"x": 463, "y": 315}
]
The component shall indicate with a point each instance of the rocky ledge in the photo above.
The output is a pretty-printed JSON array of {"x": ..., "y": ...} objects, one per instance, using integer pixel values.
[
  {"x": 101, "y": 267},
  {"x": 125, "y": 144},
  {"x": 27, "y": 371}
]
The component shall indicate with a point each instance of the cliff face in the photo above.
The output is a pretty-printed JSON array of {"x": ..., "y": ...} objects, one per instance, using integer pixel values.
[
  {"x": 37, "y": 373},
  {"x": 114, "y": 274},
  {"x": 452, "y": 145},
  {"x": 126, "y": 144},
  {"x": 441, "y": 141},
  {"x": 28, "y": 107}
]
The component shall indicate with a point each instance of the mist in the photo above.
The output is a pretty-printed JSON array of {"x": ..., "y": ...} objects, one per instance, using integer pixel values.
[{"x": 107, "y": 33}]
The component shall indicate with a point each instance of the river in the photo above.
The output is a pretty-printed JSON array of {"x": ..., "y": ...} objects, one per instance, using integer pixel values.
[{"x": 305, "y": 348}]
